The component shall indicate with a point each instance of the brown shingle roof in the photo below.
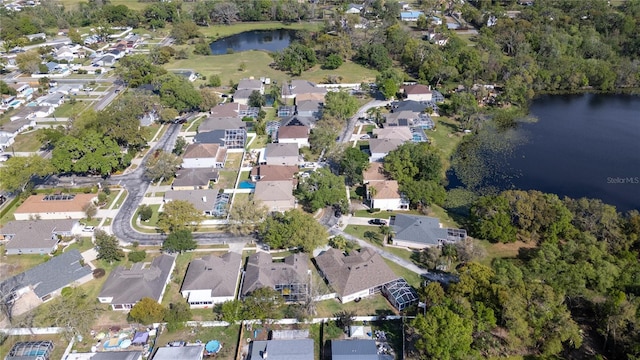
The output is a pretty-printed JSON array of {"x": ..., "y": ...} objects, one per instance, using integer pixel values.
[
  {"x": 200, "y": 150},
  {"x": 356, "y": 272},
  {"x": 395, "y": 132},
  {"x": 36, "y": 204},
  {"x": 274, "y": 191},
  {"x": 218, "y": 273},
  {"x": 416, "y": 89},
  {"x": 387, "y": 189},
  {"x": 375, "y": 172},
  {"x": 274, "y": 172},
  {"x": 293, "y": 132}
]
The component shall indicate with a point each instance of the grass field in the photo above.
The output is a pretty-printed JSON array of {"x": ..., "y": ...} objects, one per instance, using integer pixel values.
[
  {"x": 373, "y": 305},
  {"x": 219, "y": 31},
  {"x": 257, "y": 65},
  {"x": 27, "y": 142},
  {"x": 70, "y": 110},
  {"x": 445, "y": 138},
  {"x": 259, "y": 142},
  {"x": 132, "y": 4}
]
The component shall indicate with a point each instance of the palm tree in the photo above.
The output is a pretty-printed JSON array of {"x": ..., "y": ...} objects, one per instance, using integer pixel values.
[{"x": 387, "y": 232}]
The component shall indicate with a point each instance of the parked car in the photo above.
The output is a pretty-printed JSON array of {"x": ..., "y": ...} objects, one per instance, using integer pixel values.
[
  {"x": 177, "y": 343},
  {"x": 88, "y": 228},
  {"x": 365, "y": 137},
  {"x": 377, "y": 222},
  {"x": 337, "y": 213}
]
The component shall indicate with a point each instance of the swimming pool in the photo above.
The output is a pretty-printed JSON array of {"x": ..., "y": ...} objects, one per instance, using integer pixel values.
[
  {"x": 246, "y": 184},
  {"x": 15, "y": 103}
]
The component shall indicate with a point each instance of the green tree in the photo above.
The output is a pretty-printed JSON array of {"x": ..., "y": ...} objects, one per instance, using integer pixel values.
[
  {"x": 209, "y": 99},
  {"x": 256, "y": 99},
  {"x": 181, "y": 144},
  {"x": 245, "y": 216},
  {"x": 137, "y": 256},
  {"x": 107, "y": 246},
  {"x": 388, "y": 82},
  {"x": 263, "y": 304},
  {"x": 76, "y": 312},
  {"x": 321, "y": 189},
  {"x": 75, "y": 36},
  {"x": 177, "y": 314},
  {"x": 414, "y": 161},
  {"x": 295, "y": 59},
  {"x": 89, "y": 154},
  {"x": 215, "y": 81},
  {"x": 491, "y": 219},
  {"x": 17, "y": 172},
  {"x": 145, "y": 212},
  {"x": 341, "y": 243},
  {"x": 179, "y": 215},
  {"x": 230, "y": 311},
  {"x": 147, "y": 311},
  {"x": 423, "y": 192},
  {"x": 177, "y": 92},
  {"x": 179, "y": 241},
  {"x": 340, "y": 105},
  {"x": 162, "y": 165},
  {"x": 443, "y": 334},
  {"x": 294, "y": 228},
  {"x": 29, "y": 62},
  {"x": 332, "y": 62},
  {"x": 90, "y": 210},
  {"x": 354, "y": 161},
  {"x": 6, "y": 89}
]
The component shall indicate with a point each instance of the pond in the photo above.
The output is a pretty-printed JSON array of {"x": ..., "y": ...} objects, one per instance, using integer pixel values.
[
  {"x": 266, "y": 40},
  {"x": 580, "y": 146}
]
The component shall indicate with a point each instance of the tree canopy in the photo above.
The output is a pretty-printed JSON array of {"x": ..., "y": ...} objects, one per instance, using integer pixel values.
[
  {"x": 147, "y": 311},
  {"x": 162, "y": 165},
  {"x": 107, "y": 246},
  {"x": 295, "y": 59},
  {"x": 340, "y": 104},
  {"x": 294, "y": 228},
  {"x": 322, "y": 188},
  {"x": 179, "y": 215},
  {"x": 179, "y": 241},
  {"x": 17, "y": 172},
  {"x": 354, "y": 161}
]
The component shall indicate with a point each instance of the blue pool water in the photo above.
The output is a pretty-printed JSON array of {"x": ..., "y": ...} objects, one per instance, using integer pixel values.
[
  {"x": 246, "y": 184},
  {"x": 14, "y": 103}
]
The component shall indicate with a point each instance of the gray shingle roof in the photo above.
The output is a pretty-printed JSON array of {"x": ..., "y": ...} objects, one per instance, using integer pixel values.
[
  {"x": 218, "y": 273},
  {"x": 58, "y": 272},
  {"x": 384, "y": 146},
  {"x": 285, "y": 149},
  {"x": 356, "y": 272},
  {"x": 354, "y": 350},
  {"x": 195, "y": 177},
  {"x": 263, "y": 272},
  {"x": 117, "y": 355},
  {"x": 423, "y": 230},
  {"x": 35, "y": 234},
  {"x": 128, "y": 286},
  {"x": 179, "y": 353},
  {"x": 300, "y": 349},
  {"x": 202, "y": 199}
]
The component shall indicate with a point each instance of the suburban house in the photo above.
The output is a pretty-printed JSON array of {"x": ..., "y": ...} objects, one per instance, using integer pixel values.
[
  {"x": 194, "y": 178},
  {"x": 282, "y": 154},
  {"x": 6, "y": 140},
  {"x": 310, "y": 108},
  {"x": 394, "y": 132},
  {"x": 290, "y": 277},
  {"x": 251, "y": 84},
  {"x": 190, "y": 75},
  {"x": 375, "y": 172},
  {"x": 420, "y": 232},
  {"x": 297, "y": 87},
  {"x": 22, "y": 90},
  {"x": 417, "y": 92},
  {"x": 54, "y": 100},
  {"x": 385, "y": 195},
  {"x": 38, "y": 36},
  {"x": 273, "y": 173},
  {"x": 30, "y": 112},
  {"x": 298, "y": 120},
  {"x": 65, "y": 53},
  {"x": 212, "y": 280},
  {"x": 36, "y": 236},
  {"x": 438, "y": 39},
  {"x": 354, "y": 9},
  {"x": 51, "y": 207},
  {"x": 403, "y": 118},
  {"x": 47, "y": 280},
  {"x": 106, "y": 355},
  {"x": 277, "y": 196},
  {"x": 233, "y": 110},
  {"x": 221, "y": 123},
  {"x": 206, "y": 200},
  {"x": 298, "y": 349},
  {"x": 190, "y": 352},
  {"x": 354, "y": 276},
  {"x": 363, "y": 273},
  {"x": 355, "y": 349},
  {"x": 201, "y": 155},
  {"x": 410, "y": 15},
  {"x": 125, "y": 287},
  {"x": 242, "y": 96},
  {"x": 229, "y": 139},
  {"x": 379, "y": 148},
  {"x": 294, "y": 135},
  {"x": 106, "y": 60},
  {"x": 9, "y": 130}
]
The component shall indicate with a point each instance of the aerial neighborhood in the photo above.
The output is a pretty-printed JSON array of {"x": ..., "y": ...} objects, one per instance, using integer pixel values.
[{"x": 296, "y": 179}]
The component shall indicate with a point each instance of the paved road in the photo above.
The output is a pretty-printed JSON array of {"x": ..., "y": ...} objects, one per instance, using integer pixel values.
[
  {"x": 108, "y": 98},
  {"x": 136, "y": 186},
  {"x": 362, "y": 112}
]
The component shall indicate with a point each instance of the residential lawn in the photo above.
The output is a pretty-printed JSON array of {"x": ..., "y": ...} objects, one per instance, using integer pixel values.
[
  {"x": 133, "y": 5},
  {"x": 368, "y": 129},
  {"x": 26, "y": 142},
  {"x": 8, "y": 211},
  {"x": 234, "y": 161},
  {"x": 259, "y": 142},
  {"x": 112, "y": 197},
  {"x": 238, "y": 197},
  {"x": 172, "y": 293},
  {"x": 309, "y": 155},
  {"x": 244, "y": 175},
  {"x": 257, "y": 65},
  {"x": 445, "y": 138},
  {"x": 152, "y": 222},
  {"x": 412, "y": 278},
  {"x": 193, "y": 125},
  {"x": 227, "y": 179},
  {"x": 121, "y": 199},
  {"x": 60, "y": 344},
  {"x": 84, "y": 245},
  {"x": 15, "y": 264},
  {"x": 70, "y": 110},
  {"x": 228, "y": 336},
  {"x": 359, "y": 231},
  {"x": 372, "y": 305}
]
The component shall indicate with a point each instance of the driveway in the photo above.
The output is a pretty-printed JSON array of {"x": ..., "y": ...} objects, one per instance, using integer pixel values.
[{"x": 362, "y": 112}]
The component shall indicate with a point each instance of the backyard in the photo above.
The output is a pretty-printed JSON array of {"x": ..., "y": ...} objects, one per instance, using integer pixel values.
[
  {"x": 27, "y": 142},
  {"x": 227, "y": 335}
]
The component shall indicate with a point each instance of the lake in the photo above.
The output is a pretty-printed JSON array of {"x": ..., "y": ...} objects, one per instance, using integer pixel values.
[
  {"x": 267, "y": 40},
  {"x": 580, "y": 146}
]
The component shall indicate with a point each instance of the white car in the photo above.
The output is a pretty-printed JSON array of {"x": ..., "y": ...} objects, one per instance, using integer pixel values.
[
  {"x": 365, "y": 137},
  {"x": 88, "y": 228}
]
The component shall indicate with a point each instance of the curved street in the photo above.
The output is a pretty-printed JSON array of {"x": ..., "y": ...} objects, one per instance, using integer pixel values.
[{"x": 136, "y": 185}]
